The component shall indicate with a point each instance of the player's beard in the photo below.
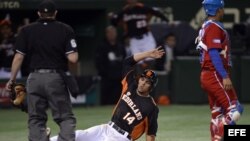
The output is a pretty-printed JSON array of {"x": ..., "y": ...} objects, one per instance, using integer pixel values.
[
  {"x": 221, "y": 18},
  {"x": 140, "y": 89}
]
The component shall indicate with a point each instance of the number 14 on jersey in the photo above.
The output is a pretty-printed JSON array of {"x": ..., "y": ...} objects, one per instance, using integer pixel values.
[{"x": 129, "y": 118}]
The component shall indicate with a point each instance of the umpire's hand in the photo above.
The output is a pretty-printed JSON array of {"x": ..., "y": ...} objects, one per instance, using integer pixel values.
[{"x": 9, "y": 85}]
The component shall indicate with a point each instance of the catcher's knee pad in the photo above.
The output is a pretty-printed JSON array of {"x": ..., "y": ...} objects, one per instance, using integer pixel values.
[
  {"x": 234, "y": 112},
  {"x": 216, "y": 112}
]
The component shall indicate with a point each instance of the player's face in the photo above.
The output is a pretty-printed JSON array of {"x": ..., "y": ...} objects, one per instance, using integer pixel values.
[
  {"x": 171, "y": 41},
  {"x": 144, "y": 85},
  {"x": 221, "y": 13},
  {"x": 6, "y": 31},
  {"x": 111, "y": 34}
]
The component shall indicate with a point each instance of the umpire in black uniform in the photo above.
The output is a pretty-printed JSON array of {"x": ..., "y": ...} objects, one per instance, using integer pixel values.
[{"x": 50, "y": 44}]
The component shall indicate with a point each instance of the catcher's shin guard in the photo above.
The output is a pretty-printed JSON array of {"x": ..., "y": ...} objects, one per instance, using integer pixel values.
[
  {"x": 234, "y": 112},
  {"x": 217, "y": 128}
]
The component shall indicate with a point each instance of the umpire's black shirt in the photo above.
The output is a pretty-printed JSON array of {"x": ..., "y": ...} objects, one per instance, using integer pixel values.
[{"x": 47, "y": 42}]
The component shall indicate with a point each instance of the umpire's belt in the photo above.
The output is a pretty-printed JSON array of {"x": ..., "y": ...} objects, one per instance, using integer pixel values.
[
  {"x": 120, "y": 130},
  {"x": 45, "y": 71}
]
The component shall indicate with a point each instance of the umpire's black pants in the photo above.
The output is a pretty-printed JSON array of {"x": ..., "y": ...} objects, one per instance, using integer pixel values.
[{"x": 49, "y": 90}]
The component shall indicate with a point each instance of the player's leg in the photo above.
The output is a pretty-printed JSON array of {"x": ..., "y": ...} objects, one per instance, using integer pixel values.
[
  {"x": 227, "y": 109},
  {"x": 216, "y": 126},
  {"x": 229, "y": 103},
  {"x": 231, "y": 107},
  {"x": 95, "y": 133},
  {"x": 216, "y": 113},
  {"x": 81, "y": 135},
  {"x": 37, "y": 106},
  {"x": 60, "y": 105},
  {"x": 207, "y": 82}
]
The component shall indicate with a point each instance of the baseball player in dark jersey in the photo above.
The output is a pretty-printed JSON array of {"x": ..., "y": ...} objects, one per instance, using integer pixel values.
[
  {"x": 134, "y": 18},
  {"x": 136, "y": 112},
  {"x": 215, "y": 60}
]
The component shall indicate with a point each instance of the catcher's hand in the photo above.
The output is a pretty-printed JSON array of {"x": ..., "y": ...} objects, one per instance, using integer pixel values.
[{"x": 18, "y": 93}]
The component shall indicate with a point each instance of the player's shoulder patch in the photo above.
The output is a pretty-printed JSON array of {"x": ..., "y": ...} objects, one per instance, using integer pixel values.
[{"x": 73, "y": 43}]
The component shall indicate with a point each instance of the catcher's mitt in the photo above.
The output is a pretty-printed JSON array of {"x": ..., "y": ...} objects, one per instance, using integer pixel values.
[{"x": 18, "y": 93}]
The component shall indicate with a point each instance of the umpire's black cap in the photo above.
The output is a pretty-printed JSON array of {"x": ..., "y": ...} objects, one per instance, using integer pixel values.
[{"x": 47, "y": 6}]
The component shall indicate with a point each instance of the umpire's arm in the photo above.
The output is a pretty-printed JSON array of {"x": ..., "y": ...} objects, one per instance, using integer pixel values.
[
  {"x": 16, "y": 64},
  {"x": 73, "y": 57}
]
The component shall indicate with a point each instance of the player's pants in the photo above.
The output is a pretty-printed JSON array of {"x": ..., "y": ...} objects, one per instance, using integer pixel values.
[
  {"x": 147, "y": 42},
  {"x": 103, "y": 132},
  {"x": 221, "y": 102},
  {"x": 49, "y": 90}
]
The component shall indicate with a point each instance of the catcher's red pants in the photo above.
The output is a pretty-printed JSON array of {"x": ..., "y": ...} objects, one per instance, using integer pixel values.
[{"x": 219, "y": 99}]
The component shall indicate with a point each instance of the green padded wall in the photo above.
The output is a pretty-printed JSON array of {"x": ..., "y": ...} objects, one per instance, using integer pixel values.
[{"x": 186, "y": 82}]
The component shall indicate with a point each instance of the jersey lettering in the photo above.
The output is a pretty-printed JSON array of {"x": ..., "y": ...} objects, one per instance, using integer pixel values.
[
  {"x": 132, "y": 105},
  {"x": 129, "y": 119},
  {"x": 141, "y": 24},
  {"x": 134, "y": 17}
]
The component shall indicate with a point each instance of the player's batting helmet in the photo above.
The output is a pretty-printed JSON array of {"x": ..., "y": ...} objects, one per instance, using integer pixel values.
[
  {"x": 151, "y": 75},
  {"x": 211, "y": 6}
]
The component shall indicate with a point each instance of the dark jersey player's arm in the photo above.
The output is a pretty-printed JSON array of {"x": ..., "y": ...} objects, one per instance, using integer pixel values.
[
  {"x": 152, "y": 125},
  {"x": 132, "y": 60},
  {"x": 157, "y": 13}
]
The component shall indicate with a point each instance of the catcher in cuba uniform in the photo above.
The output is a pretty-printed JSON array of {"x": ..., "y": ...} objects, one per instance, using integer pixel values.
[
  {"x": 213, "y": 44},
  {"x": 136, "y": 112}
]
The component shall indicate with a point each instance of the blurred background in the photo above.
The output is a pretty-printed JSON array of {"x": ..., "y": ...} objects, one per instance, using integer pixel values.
[{"x": 89, "y": 19}]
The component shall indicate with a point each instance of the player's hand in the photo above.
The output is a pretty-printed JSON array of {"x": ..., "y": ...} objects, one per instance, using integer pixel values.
[
  {"x": 157, "y": 53},
  {"x": 227, "y": 84},
  {"x": 110, "y": 15}
]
